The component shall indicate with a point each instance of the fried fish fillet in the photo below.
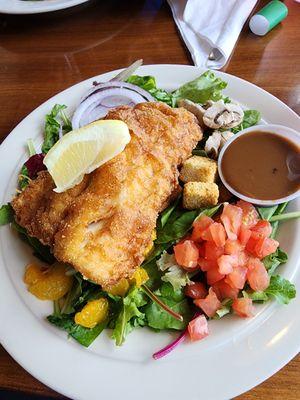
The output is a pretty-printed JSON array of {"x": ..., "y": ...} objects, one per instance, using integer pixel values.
[{"x": 103, "y": 226}]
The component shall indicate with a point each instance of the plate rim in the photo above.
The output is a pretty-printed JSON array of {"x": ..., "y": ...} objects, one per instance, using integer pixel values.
[
  {"x": 11, "y": 351},
  {"x": 39, "y": 8}
]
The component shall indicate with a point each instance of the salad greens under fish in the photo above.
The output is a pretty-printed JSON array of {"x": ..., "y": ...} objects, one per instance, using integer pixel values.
[{"x": 167, "y": 282}]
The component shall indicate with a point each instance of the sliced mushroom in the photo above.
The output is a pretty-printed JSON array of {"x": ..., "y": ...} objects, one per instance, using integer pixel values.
[
  {"x": 212, "y": 144},
  {"x": 194, "y": 108},
  {"x": 221, "y": 115},
  {"x": 215, "y": 142}
]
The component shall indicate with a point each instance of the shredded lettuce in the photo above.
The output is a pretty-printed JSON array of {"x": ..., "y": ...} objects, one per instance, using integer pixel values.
[{"x": 173, "y": 273}]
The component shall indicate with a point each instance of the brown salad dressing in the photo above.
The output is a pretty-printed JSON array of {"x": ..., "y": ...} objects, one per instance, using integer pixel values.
[{"x": 262, "y": 165}]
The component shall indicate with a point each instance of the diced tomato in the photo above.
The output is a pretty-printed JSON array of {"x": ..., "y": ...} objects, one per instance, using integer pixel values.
[
  {"x": 262, "y": 227},
  {"x": 212, "y": 252},
  {"x": 233, "y": 246},
  {"x": 250, "y": 246},
  {"x": 198, "y": 328},
  {"x": 205, "y": 265},
  {"x": 210, "y": 304},
  {"x": 237, "y": 278},
  {"x": 257, "y": 275},
  {"x": 213, "y": 275},
  {"x": 243, "y": 307},
  {"x": 196, "y": 290},
  {"x": 226, "y": 263},
  {"x": 225, "y": 291},
  {"x": 244, "y": 235},
  {"x": 201, "y": 249},
  {"x": 199, "y": 226},
  {"x": 186, "y": 254},
  {"x": 218, "y": 233},
  {"x": 250, "y": 214},
  {"x": 260, "y": 246},
  {"x": 232, "y": 220},
  {"x": 243, "y": 258}
]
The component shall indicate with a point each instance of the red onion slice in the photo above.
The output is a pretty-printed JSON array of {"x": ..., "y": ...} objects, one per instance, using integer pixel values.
[
  {"x": 166, "y": 350},
  {"x": 105, "y": 96}
]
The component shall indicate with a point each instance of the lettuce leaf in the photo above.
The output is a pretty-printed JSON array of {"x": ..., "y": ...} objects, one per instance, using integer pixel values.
[
  {"x": 251, "y": 117},
  {"x": 129, "y": 316},
  {"x": 55, "y": 121},
  {"x": 149, "y": 83},
  {"x": 159, "y": 319},
  {"x": 200, "y": 90},
  {"x": 280, "y": 288},
  {"x": 272, "y": 261},
  {"x": 6, "y": 214}
]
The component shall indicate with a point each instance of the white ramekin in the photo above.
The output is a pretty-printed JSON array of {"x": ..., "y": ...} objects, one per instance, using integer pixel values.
[{"x": 279, "y": 130}]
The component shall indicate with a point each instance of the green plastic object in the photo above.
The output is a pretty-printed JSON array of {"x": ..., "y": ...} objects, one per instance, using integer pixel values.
[{"x": 268, "y": 17}]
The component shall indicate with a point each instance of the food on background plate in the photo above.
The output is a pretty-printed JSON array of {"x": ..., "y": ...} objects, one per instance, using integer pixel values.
[{"x": 124, "y": 225}]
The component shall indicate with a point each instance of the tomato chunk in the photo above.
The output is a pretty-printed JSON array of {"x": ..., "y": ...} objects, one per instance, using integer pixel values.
[
  {"x": 226, "y": 263},
  {"x": 198, "y": 328},
  {"x": 213, "y": 275},
  {"x": 210, "y": 304},
  {"x": 243, "y": 307},
  {"x": 250, "y": 214},
  {"x": 237, "y": 278},
  {"x": 257, "y": 275},
  {"x": 196, "y": 290},
  {"x": 260, "y": 246},
  {"x": 218, "y": 234},
  {"x": 212, "y": 252},
  {"x": 233, "y": 246},
  {"x": 232, "y": 220},
  {"x": 205, "y": 265},
  {"x": 225, "y": 291},
  {"x": 263, "y": 227},
  {"x": 199, "y": 226},
  {"x": 186, "y": 254},
  {"x": 244, "y": 235}
]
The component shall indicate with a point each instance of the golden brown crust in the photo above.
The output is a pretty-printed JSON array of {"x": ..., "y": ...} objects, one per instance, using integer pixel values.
[{"x": 105, "y": 225}]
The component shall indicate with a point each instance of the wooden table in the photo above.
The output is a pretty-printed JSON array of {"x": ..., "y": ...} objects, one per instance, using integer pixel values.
[{"x": 42, "y": 55}]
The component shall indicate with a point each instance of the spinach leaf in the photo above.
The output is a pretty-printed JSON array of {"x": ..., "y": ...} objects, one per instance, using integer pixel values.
[
  {"x": 130, "y": 316},
  {"x": 282, "y": 289},
  {"x": 73, "y": 295},
  {"x": 199, "y": 152},
  {"x": 272, "y": 261},
  {"x": 149, "y": 83},
  {"x": 55, "y": 121},
  {"x": 164, "y": 216},
  {"x": 6, "y": 214},
  {"x": 154, "y": 274},
  {"x": 177, "y": 229},
  {"x": 85, "y": 336},
  {"x": 41, "y": 251},
  {"x": 157, "y": 318},
  {"x": 251, "y": 117},
  {"x": 200, "y": 90}
]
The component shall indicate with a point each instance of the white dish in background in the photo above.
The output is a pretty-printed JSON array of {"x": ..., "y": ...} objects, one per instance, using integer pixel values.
[
  {"x": 279, "y": 130},
  {"x": 36, "y": 7},
  {"x": 238, "y": 354}
]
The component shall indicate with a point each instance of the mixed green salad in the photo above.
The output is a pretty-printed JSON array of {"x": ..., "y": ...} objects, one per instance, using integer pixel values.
[{"x": 165, "y": 300}]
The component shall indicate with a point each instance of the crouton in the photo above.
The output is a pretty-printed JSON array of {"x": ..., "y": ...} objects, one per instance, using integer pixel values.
[
  {"x": 198, "y": 169},
  {"x": 200, "y": 194}
]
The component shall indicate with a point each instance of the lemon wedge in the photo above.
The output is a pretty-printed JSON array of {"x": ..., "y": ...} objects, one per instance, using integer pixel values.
[{"x": 83, "y": 150}]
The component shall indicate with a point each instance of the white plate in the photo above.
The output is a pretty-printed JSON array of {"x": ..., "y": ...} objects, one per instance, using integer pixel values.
[
  {"x": 237, "y": 355},
  {"x": 35, "y": 7}
]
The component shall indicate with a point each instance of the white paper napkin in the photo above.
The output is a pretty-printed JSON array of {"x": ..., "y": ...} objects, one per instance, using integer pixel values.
[{"x": 208, "y": 26}]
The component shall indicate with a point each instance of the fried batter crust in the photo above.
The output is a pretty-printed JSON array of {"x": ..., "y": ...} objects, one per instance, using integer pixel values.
[{"x": 104, "y": 225}]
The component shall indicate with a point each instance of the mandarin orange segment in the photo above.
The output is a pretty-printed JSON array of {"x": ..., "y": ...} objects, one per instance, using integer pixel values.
[{"x": 93, "y": 313}]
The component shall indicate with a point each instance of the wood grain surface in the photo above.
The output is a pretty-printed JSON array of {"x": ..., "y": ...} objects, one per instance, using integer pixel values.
[{"x": 44, "y": 54}]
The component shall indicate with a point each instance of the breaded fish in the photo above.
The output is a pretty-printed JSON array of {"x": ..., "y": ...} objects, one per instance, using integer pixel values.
[{"x": 103, "y": 226}]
